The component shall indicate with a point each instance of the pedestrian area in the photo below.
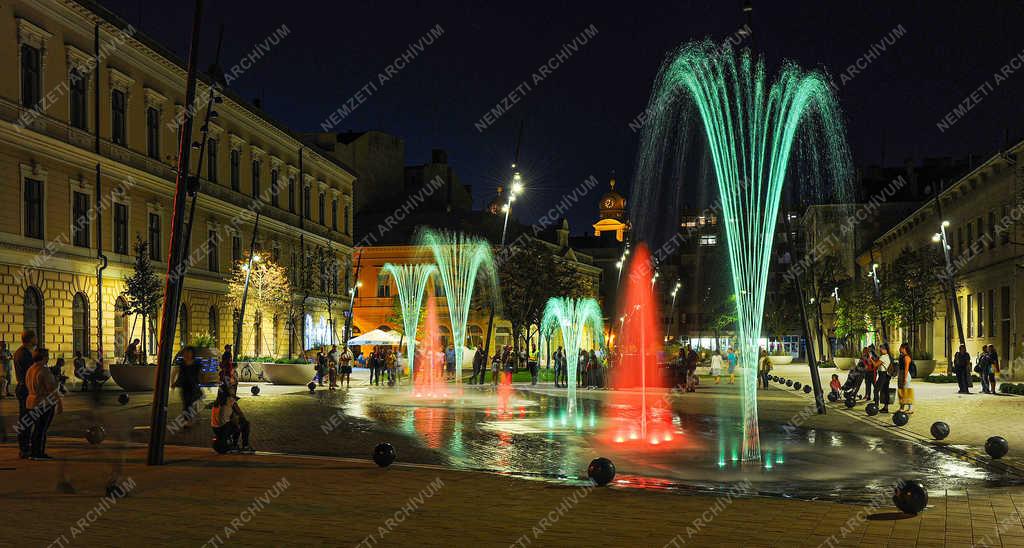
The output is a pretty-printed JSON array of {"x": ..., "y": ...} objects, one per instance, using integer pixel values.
[{"x": 201, "y": 499}]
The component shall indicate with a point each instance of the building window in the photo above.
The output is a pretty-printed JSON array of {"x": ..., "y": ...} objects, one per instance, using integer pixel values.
[
  {"x": 981, "y": 232},
  {"x": 118, "y": 126},
  {"x": 708, "y": 239},
  {"x": 33, "y": 208},
  {"x": 970, "y": 237},
  {"x": 306, "y": 197},
  {"x": 236, "y": 248},
  {"x": 80, "y": 219},
  {"x": 334, "y": 214},
  {"x": 31, "y": 76},
  {"x": 959, "y": 240},
  {"x": 153, "y": 133},
  {"x": 992, "y": 231},
  {"x": 256, "y": 178},
  {"x": 211, "y": 160},
  {"x": 154, "y": 236},
  {"x": 991, "y": 312},
  {"x": 1004, "y": 236},
  {"x": 80, "y": 324},
  {"x": 33, "y": 313},
  {"x": 345, "y": 219},
  {"x": 322, "y": 208},
  {"x": 212, "y": 258},
  {"x": 77, "y": 100},
  {"x": 383, "y": 287},
  {"x": 970, "y": 315},
  {"x": 183, "y": 325},
  {"x": 236, "y": 159},
  {"x": 120, "y": 229},
  {"x": 981, "y": 313},
  {"x": 214, "y": 327},
  {"x": 291, "y": 194},
  {"x": 273, "y": 188}
]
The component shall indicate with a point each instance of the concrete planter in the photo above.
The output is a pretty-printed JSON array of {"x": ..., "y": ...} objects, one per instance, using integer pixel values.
[
  {"x": 137, "y": 378},
  {"x": 924, "y": 368},
  {"x": 298, "y": 374},
  {"x": 845, "y": 364},
  {"x": 780, "y": 360}
]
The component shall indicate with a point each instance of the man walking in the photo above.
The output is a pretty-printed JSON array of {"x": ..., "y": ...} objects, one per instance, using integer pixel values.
[
  {"x": 558, "y": 367},
  {"x": 962, "y": 369},
  {"x": 22, "y": 362}
]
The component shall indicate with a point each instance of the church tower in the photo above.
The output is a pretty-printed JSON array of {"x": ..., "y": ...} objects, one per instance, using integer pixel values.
[{"x": 612, "y": 213}]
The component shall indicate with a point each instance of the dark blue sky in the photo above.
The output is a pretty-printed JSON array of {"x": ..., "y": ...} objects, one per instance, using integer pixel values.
[{"x": 577, "y": 120}]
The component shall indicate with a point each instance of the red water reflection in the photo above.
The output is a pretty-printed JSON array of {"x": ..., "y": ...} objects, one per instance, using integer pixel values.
[
  {"x": 637, "y": 412},
  {"x": 430, "y": 423}
]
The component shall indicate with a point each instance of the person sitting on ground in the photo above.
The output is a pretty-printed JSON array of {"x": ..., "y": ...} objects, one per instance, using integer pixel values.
[
  {"x": 230, "y": 425},
  {"x": 835, "y": 385}
]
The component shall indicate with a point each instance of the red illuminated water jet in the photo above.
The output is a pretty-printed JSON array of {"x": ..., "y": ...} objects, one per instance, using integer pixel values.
[
  {"x": 429, "y": 371},
  {"x": 637, "y": 411}
]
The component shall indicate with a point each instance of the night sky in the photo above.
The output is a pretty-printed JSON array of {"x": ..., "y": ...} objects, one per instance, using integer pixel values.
[{"x": 577, "y": 119}]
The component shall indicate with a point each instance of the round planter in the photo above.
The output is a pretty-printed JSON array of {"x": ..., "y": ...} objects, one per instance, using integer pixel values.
[
  {"x": 137, "y": 378},
  {"x": 845, "y": 364},
  {"x": 297, "y": 374},
  {"x": 780, "y": 360},
  {"x": 924, "y": 368}
]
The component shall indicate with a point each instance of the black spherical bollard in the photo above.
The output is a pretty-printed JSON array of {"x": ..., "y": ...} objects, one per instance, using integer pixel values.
[
  {"x": 789, "y": 382},
  {"x": 997, "y": 447},
  {"x": 807, "y": 389},
  {"x": 850, "y": 402},
  {"x": 122, "y": 398},
  {"x": 797, "y": 386},
  {"x": 255, "y": 390},
  {"x": 871, "y": 409},
  {"x": 940, "y": 430},
  {"x": 601, "y": 471},
  {"x": 833, "y": 397},
  {"x": 910, "y": 497},
  {"x": 311, "y": 386},
  {"x": 220, "y": 444},
  {"x": 384, "y": 454},
  {"x": 900, "y": 418},
  {"x": 95, "y": 434}
]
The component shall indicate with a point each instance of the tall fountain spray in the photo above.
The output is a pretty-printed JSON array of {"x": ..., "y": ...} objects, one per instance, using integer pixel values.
[
  {"x": 572, "y": 317},
  {"x": 411, "y": 281},
  {"x": 751, "y": 129},
  {"x": 429, "y": 378},
  {"x": 460, "y": 260}
]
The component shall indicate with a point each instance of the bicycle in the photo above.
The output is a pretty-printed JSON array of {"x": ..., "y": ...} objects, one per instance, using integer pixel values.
[{"x": 246, "y": 374}]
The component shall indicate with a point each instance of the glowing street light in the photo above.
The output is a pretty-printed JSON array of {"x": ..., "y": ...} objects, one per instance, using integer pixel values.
[{"x": 940, "y": 238}]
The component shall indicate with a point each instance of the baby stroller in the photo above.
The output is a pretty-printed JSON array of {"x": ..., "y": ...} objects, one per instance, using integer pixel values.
[{"x": 853, "y": 382}]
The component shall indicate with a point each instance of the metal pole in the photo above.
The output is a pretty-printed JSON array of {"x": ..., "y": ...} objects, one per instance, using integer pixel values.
[
  {"x": 245, "y": 288},
  {"x": 352, "y": 299},
  {"x": 812, "y": 363},
  {"x": 175, "y": 277},
  {"x": 949, "y": 269}
]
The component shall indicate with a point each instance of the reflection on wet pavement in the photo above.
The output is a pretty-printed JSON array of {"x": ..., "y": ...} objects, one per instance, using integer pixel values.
[{"x": 533, "y": 434}]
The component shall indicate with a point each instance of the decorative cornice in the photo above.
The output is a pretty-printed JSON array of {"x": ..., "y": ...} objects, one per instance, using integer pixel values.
[
  {"x": 236, "y": 141},
  {"x": 32, "y": 34},
  {"x": 256, "y": 151},
  {"x": 154, "y": 98},
  {"x": 215, "y": 130},
  {"x": 78, "y": 59},
  {"x": 154, "y": 206},
  {"x": 120, "y": 80},
  {"x": 275, "y": 162}
]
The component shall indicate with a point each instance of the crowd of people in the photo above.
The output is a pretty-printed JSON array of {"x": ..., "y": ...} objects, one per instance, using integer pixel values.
[{"x": 876, "y": 370}]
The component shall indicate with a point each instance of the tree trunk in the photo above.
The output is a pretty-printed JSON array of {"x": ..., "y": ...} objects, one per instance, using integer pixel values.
[{"x": 145, "y": 320}]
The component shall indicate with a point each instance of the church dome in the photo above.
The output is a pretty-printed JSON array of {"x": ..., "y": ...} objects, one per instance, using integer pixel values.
[{"x": 612, "y": 204}]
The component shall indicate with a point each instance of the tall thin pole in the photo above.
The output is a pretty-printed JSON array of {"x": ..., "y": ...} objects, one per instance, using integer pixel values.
[
  {"x": 245, "y": 289},
  {"x": 352, "y": 300},
  {"x": 175, "y": 257},
  {"x": 951, "y": 281},
  {"x": 99, "y": 208}
]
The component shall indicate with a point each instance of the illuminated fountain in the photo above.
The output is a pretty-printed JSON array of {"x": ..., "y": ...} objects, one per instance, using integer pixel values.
[
  {"x": 410, "y": 281},
  {"x": 750, "y": 129},
  {"x": 460, "y": 259},
  {"x": 572, "y": 317},
  {"x": 429, "y": 378}
]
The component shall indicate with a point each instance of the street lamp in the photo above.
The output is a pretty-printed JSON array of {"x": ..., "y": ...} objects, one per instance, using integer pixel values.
[
  {"x": 516, "y": 188},
  {"x": 940, "y": 238}
]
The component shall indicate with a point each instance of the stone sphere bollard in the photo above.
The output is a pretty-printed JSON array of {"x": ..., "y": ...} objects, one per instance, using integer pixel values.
[
  {"x": 910, "y": 497},
  {"x": 940, "y": 430},
  {"x": 997, "y": 447},
  {"x": 384, "y": 454},
  {"x": 601, "y": 471},
  {"x": 900, "y": 418}
]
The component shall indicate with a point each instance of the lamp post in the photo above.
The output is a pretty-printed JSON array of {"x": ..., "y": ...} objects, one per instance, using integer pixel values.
[
  {"x": 672, "y": 311},
  {"x": 940, "y": 238},
  {"x": 514, "y": 190},
  {"x": 247, "y": 267}
]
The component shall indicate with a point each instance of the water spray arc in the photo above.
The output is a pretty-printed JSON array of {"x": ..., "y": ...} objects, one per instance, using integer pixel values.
[
  {"x": 751, "y": 129},
  {"x": 411, "y": 282},
  {"x": 572, "y": 316},
  {"x": 460, "y": 260}
]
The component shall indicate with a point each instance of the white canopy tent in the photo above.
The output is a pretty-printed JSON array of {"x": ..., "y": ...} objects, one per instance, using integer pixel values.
[{"x": 376, "y": 337}]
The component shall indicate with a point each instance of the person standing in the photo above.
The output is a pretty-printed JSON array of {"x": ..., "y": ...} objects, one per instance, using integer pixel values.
[
  {"x": 533, "y": 365},
  {"x": 565, "y": 367},
  {"x": 332, "y": 367},
  {"x": 993, "y": 368},
  {"x": 731, "y": 356},
  {"x": 6, "y": 372},
  {"x": 764, "y": 368},
  {"x": 962, "y": 369},
  {"x": 983, "y": 366},
  {"x": 870, "y": 373},
  {"x": 449, "y": 363},
  {"x": 22, "y": 361},
  {"x": 716, "y": 366},
  {"x": 557, "y": 358},
  {"x": 886, "y": 371},
  {"x": 345, "y": 360},
  {"x": 43, "y": 401},
  {"x": 226, "y": 372},
  {"x": 188, "y": 382},
  {"x": 906, "y": 392}
]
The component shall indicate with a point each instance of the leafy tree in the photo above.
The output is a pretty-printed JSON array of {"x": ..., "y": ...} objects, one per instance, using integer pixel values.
[
  {"x": 269, "y": 288},
  {"x": 910, "y": 290},
  {"x": 724, "y": 317},
  {"x": 854, "y": 311},
  {"x": 143, "y": 293},
  {"x": 781, "y": 315}
]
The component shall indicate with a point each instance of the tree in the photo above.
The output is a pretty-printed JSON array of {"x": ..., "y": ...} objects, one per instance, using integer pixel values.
[
  {"x": 269, "y": 288},
  {"x": 724, "y": 316},
  {"x": 854, "y": 311},
  {"x": 911, "y": 288},
  {"x": 781, "y": 315},
  {"x": 143, "y": 294}
]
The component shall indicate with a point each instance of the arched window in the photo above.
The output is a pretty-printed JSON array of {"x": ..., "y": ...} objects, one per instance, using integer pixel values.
[
  {"x": 445, "y": 335},
  {"x": 183, "y": 325},
  {"x": 120, "y": 327},
  {"x": 33, "y": 310},
  {"x": 80, "y": 324},
  {"x": 476, "y": 336},
  {"x": 214, "y": 326}
]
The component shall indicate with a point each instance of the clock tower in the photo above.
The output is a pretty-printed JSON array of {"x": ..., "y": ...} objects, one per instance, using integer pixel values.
[{"x": 612, "y": 214}]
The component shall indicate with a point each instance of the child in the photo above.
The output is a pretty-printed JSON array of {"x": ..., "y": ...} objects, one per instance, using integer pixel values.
[
  {"x": 835, "y": 385},
  {"x": 229, "y": 424}
]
